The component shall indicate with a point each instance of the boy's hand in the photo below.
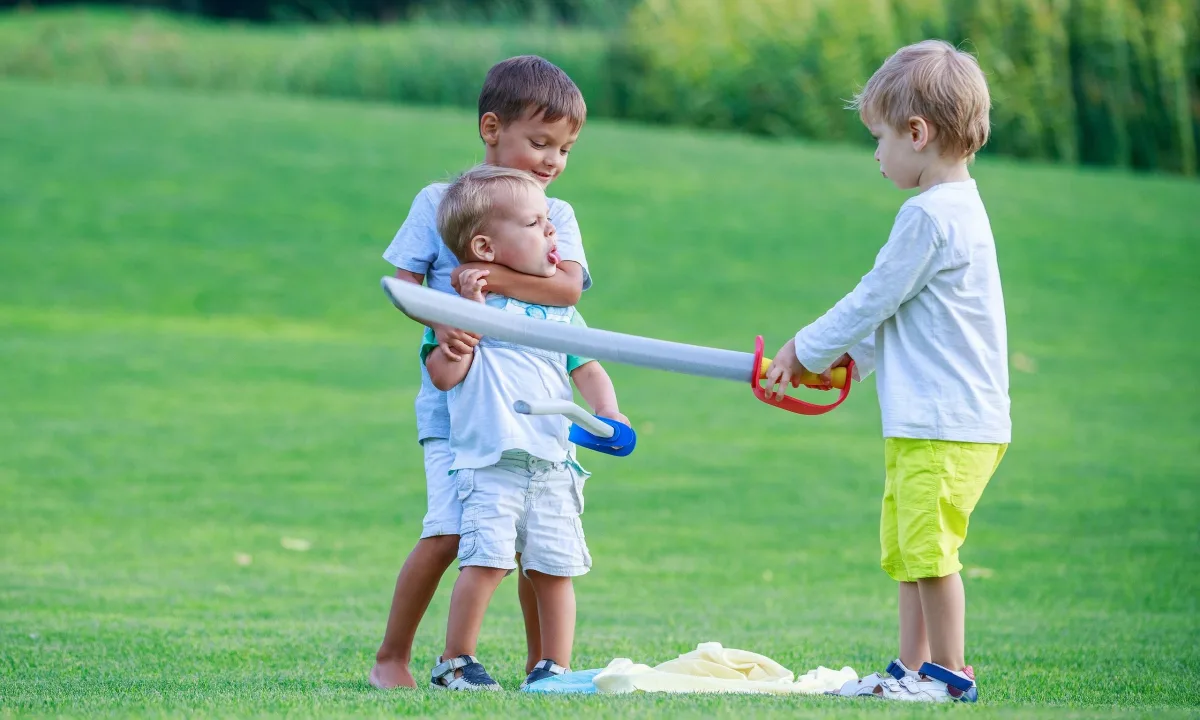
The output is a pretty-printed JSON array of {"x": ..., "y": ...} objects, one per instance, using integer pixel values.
[
  {"x": 472, "y": 267},
  {"x": 457, "y": 272},
  {"x": 454, "y": 342},
  {"x": 471, "y": 283},
  {"x": 786, "y": 370},
  {"x": 843, "y": 361},
  {"x": 615, "y": 415}
]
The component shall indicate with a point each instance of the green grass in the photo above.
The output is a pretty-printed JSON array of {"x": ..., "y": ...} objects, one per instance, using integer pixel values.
[{"x": 196, "y": 361}]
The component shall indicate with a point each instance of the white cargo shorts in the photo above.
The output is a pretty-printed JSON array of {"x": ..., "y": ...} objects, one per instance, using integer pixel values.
[{"x": 525, "y": 505}]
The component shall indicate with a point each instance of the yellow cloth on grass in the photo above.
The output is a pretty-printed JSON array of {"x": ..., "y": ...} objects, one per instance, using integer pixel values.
[{"x": 712, "y": 668}]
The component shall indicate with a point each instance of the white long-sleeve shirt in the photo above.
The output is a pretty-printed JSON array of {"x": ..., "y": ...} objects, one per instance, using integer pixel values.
[{"x": 929, "y": 318}]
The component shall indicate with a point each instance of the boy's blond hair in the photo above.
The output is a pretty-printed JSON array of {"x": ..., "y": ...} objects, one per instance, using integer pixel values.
[
  {"x": 468, "y": 203},
  {"x": 936, "y": 81},
  {"x": 533, "y": 85}
]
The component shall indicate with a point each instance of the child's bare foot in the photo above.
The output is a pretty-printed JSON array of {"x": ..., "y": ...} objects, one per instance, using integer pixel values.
[{"x": 388, "y": 674}]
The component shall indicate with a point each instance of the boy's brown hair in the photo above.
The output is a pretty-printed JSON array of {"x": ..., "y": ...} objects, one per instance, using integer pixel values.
[
  {"x": 936, "y": 81},
  {"x": 533, "y": 85},
  {"x": 468, "y": 204}
]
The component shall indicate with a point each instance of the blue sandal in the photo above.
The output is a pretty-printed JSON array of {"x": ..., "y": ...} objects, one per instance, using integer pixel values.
[
  {"x": 544, "y": 669},
  {"x": 461, "y": 673}
]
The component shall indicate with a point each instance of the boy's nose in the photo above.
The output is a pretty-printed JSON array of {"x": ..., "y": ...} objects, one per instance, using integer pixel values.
[{"x": 550, "y": 231}]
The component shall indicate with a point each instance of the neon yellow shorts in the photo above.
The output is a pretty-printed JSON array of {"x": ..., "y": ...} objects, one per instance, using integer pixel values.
[{"x": 930, "y": 489}]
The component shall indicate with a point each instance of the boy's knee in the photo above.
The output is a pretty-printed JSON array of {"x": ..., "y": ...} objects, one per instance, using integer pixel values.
[{"x": 484, "y": 574}]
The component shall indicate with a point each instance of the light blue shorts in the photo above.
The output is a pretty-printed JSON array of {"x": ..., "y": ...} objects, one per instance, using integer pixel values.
[{"x": 443, "y": 511}]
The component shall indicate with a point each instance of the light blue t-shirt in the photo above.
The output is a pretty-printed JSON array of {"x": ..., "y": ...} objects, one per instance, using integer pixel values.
[{"x": 419, "y": 249}]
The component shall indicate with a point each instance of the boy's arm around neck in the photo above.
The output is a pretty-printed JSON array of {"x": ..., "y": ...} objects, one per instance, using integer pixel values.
[{"x": 563, "y": 289}]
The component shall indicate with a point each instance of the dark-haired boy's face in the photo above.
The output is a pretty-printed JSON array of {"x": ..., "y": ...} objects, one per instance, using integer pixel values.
[{"x": 529, "y": 144}]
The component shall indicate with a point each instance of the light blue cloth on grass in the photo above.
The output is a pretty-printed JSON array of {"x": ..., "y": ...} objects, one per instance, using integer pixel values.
[{"x": 579, "y": 682}]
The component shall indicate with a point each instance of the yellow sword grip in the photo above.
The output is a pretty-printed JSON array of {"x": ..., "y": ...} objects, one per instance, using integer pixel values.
[{"x": 809, "y": 379}]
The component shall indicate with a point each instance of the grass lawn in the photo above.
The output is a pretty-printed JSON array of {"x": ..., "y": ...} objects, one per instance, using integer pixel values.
[{"x": 198, "y": 369}]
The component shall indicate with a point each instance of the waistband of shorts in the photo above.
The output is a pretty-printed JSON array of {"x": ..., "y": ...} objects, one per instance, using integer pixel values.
[{"x": 521, "y": 460}]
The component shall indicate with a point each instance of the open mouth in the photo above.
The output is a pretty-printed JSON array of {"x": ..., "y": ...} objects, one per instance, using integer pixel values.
[
  {"x": 552, "y": 257},
  {"x": 542, "y": 175}
]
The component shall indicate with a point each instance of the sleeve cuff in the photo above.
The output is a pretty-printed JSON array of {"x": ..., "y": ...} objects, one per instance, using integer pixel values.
[
  {"x": 587, "y": 276},
  {"x": 812, "y": 360},
  {"x": 863, "y": 355},
  {"x": 428, "y": 344},
  {"x": 412, "y": 265}
]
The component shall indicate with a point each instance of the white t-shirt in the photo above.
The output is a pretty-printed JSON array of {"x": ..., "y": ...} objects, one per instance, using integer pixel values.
[
  {"x": 419, "y": 249},
  {"x": 483, "y": 424},
  {"x": 929, "y": 318}
]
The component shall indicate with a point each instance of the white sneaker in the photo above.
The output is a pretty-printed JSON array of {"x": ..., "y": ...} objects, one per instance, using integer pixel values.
[
  {"x": 933, "y": 683},
  {"x": 896, "y": 670}
]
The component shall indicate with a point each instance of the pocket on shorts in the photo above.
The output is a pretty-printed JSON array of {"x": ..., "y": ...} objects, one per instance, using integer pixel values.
[
  {"x": 577, "y": 481},
  {"x": 465, "y": 480},
  {"x": 586, "y": 557},
  {"x": 919, "y": 473},
  {"x": 468, "y": 533},
  {"x": 972, "y": 465}
]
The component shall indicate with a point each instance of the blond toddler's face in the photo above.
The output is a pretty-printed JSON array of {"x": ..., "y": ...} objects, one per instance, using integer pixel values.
[
  {"x": 898, "y": 156},
  {"x": 519, "y": 234},
  {"x": 532, "y": 145}
]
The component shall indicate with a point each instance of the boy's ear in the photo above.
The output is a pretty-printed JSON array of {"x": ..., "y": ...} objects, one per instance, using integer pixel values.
[
  {"x": 920, "y": 132},
  {"x": 489, "y": 129},
  {"x": 481, "y": 247}
]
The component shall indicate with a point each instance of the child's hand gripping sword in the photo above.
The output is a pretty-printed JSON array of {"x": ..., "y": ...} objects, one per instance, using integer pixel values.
[
  {"x": 426, "y": 305},
  {"x": 593, "y": 432}
]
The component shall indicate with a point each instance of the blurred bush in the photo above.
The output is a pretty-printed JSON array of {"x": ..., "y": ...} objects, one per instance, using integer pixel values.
[
  {"x": 592, "y": 13},
  {"x": 1113, "y": 82},
  {"x": 414, "y": 63},
  {"x": 1108, "y": 82}
]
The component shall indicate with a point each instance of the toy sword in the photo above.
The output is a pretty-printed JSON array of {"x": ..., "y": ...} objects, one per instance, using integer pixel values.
[{"x": 427, "y": 306}]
